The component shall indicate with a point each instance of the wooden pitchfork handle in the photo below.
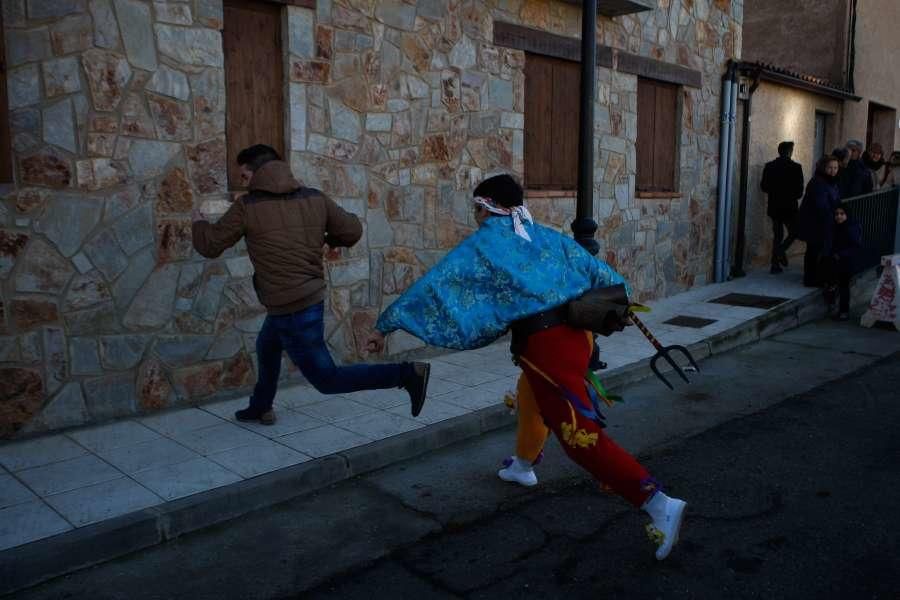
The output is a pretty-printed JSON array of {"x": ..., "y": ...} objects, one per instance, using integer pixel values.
[{"x": 640, "y": 325}]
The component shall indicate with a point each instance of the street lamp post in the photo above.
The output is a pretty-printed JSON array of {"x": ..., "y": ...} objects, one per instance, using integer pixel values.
[{"x": 584, "y": 225}]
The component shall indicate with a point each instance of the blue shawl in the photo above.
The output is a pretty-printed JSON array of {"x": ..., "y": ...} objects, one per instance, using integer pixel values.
[{"x": 492, "y": 278}]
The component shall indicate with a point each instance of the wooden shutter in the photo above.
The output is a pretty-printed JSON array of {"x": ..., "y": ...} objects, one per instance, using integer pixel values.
[
  {"x": 254, "y": 78},
  {"x": 551, "y": 122},
  {"x": 657, "y": 136},
  {"x": 6, "y": 171}
]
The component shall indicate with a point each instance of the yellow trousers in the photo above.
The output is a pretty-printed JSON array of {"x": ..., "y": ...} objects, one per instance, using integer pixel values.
[{"x": 531, "y": 432}]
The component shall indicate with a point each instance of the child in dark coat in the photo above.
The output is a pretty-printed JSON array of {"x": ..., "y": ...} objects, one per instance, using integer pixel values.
[{"x": 840, "y": 260}]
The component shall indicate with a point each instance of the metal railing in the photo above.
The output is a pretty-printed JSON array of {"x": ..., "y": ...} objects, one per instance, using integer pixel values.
[{"x": 879, "y": 217}]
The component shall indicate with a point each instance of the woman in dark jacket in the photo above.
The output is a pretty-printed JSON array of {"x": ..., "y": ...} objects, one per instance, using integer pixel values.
[
  {"x": 817, "y": 215},
  {"x": 841, "y": 260}
]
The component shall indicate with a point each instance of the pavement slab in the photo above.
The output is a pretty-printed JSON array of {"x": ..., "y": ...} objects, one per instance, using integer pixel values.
[
  {"x": 38, "y": 452},
  {"x": 102, "y": 501},
  {"x": 29, "y": 521},
  {"x": 324, "y": 440},
  {"x": 114, "y": 435},
  {"x": 257, "y": 458},
  {"x": 67, "y": 475},
  {"x": 13, "y": 492},
  {"x": 186, "y": 478},
  {"x": 148, "y": 455}
]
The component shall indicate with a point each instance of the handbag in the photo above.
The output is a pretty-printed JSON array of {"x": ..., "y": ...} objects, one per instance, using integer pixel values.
[{"x": 603, "y": 311}]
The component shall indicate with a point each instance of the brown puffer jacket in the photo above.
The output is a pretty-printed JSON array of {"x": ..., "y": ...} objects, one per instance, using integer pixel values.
[{"x": 286, "y": 226}]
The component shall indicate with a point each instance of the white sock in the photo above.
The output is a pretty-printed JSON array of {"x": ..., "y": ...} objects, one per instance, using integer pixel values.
[
  {"x": 655, "y": 506},
  {"x": 520, "y": 464}
]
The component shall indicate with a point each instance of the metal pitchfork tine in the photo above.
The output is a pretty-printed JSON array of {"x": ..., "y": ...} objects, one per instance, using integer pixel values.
[{"x": 663, "y": 352}]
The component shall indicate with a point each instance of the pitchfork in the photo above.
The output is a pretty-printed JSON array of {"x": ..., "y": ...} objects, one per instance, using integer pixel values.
[{"x": 663, "y": 351}]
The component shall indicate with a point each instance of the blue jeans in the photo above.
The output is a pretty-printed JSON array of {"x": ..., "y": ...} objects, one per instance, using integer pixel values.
[{"x": 301, "y": 335}]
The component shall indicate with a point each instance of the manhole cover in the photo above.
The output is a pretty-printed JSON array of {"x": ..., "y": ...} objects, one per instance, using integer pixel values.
[
  {"x": 749, "y": 300},
  {"x": 692, "y": 322}
]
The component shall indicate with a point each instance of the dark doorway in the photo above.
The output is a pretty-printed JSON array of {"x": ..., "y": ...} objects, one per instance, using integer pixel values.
[{"x": 882, "y": 122}]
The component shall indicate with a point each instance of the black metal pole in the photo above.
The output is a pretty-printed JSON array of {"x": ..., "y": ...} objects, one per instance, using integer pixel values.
[{"x": 584, "y": 225}]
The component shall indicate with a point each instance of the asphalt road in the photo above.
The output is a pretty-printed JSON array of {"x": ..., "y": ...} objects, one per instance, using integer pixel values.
[{"x": 787, "y": 452}]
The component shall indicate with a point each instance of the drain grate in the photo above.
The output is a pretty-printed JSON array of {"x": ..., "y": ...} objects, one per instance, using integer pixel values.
[
  {"x": 750, "y": 300},
  {"x": 692, "y": 322}
]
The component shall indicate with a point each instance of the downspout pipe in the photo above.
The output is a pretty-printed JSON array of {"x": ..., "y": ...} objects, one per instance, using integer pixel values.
[
  {"x": 738, "y": 269},
  {"x": 729, "y": 88},
  {"x": 584, "y": 226},
  {"x": 729, "y": 182}
]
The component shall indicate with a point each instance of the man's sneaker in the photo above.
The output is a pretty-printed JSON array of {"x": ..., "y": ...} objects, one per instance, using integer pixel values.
[
  {"x": 667, "y": 514},
  {"x": 775, "y": 270},
  {"x": 417, "y": 386},
  {"x": 842, "y": 317},
  {"x": 518, "y": 471},
  {"x": 264, "y": 416}
]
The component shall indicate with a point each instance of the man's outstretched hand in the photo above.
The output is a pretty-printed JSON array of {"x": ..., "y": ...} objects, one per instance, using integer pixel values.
[{"x": 375, "y": 342}]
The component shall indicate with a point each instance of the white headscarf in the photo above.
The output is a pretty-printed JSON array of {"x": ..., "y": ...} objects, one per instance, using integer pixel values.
[{"x": 519, "y": 215}]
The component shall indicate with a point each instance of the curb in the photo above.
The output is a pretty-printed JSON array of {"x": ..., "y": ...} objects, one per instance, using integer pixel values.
[{"x": 33, "y": 563}]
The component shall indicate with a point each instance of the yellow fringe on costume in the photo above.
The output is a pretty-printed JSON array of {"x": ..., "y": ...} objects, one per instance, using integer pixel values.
[{"x": 580, "y": 438}]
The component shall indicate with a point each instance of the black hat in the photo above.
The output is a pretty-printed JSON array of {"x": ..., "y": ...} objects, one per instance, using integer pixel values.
[{"x": 503, "y": 190}]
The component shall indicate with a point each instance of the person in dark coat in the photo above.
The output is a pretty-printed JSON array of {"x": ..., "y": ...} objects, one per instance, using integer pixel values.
[
  {"x": 841, "y": 260},
  {"x": 843, "y": 157},
  {"x": 856, "y": 178},
  {"x": 817, "y": 215},
  {"x": 782, "y": 181}
]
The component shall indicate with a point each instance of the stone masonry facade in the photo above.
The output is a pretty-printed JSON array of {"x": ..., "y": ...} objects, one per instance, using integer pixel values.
[{"x": 394, "y": 108}]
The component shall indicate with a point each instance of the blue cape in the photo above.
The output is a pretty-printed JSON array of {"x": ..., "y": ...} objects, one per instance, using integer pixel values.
[{"x": 491, "y": 279}]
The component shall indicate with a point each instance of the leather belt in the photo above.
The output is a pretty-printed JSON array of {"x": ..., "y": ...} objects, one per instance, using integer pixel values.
[
  {"x": 523, "y": 328},
  {"x": 540, "y": 321}
]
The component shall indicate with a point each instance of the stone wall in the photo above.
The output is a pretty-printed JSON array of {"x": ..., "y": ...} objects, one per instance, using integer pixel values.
[
  {"x": 118, "y": 124},
  {"x": 396, "y": 109}
]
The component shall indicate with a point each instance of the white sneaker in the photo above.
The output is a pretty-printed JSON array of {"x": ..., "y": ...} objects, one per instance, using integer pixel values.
[
  {"x": 667, "y": 514},
  {"x": 519, "y": 471}
]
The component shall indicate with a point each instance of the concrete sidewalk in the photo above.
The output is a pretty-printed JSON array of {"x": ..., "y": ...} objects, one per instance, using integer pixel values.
[{"x": 84, "y": 496}]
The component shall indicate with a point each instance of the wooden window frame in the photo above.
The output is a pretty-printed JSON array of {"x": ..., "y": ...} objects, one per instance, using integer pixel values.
[
  {"x": 670, "y": 188},
  {"x": 535, "y": 41},
  {"x": 6, "y": 167},
  {"x": 281, "y": 142},
  {"x": 545, "y": 142}
]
